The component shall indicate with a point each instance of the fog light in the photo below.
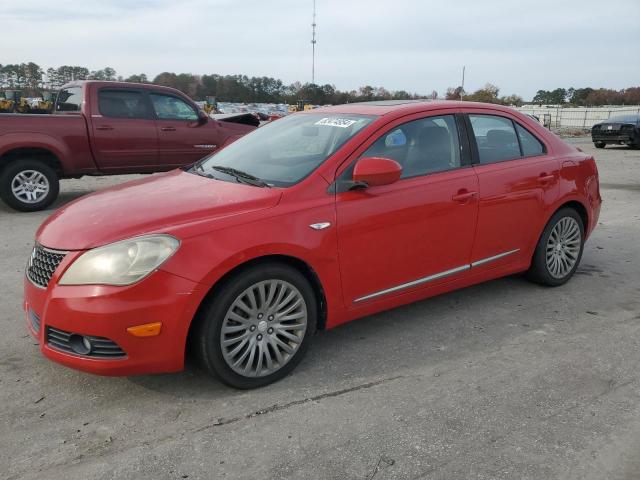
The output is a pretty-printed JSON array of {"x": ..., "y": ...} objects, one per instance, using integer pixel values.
[{"x": 80, "y": 344}]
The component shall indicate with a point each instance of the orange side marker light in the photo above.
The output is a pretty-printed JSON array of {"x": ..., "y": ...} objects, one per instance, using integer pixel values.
[{"x": 146, "y": 330}]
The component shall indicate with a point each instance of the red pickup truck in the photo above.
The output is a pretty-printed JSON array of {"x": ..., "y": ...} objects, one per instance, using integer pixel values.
[{"x": 104, "y": 128}]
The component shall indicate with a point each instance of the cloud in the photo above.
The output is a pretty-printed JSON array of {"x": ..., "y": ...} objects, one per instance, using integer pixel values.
[{"x": 415, "y": 45}]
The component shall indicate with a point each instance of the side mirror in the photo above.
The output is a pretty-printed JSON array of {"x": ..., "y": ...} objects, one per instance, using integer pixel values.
[
  {"x": 202, "y": 117},
  {"x": 374, "y": 171}
]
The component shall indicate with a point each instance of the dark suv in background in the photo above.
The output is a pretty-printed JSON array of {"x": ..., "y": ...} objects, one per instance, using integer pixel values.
[{"x": 623, "y": 130}]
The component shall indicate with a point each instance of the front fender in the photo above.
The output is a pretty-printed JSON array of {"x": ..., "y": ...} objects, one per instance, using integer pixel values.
[{"x": 209, "y": 257}]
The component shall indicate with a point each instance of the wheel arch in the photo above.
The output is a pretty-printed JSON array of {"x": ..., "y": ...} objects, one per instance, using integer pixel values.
[
  {"x": 36, "y": 153},
  {"x": 578, "y": 207},
  {"x": 300, "y": 265},
  {"x": 572, "y": 203}
]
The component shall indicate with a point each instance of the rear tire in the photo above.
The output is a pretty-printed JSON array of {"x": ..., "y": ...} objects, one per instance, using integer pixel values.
[
  {"x": 248, "y": 334},
  {"x": 29, "y": 185},
  {"x": 559, "y": 249},
  {"x": 600, "y": 144}
]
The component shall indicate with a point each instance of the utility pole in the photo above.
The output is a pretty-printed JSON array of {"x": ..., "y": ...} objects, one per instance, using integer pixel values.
[
  {"x": 313, "y": 45},
  {"x": 462, "y": 85}
]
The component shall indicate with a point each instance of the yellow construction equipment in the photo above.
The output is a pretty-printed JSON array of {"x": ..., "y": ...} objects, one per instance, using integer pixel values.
[
  {"x": 6, "y": 103},
  {"x": 13, "y": 101},
  {"x": 44, "y": 104},
  {"x": 300, "y": 106},
  {"x": 210, "y": 105}
]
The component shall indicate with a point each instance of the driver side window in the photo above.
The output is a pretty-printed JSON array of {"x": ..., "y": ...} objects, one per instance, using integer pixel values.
[
  {"x": 168, "y": 107},
  {"x": 423, "y": 146}
]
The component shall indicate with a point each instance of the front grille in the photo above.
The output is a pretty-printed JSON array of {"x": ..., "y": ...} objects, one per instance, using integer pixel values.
[
  {"x": 101, "y": 347},
  {"x": 35, "y": 320},
  {"x": 42, "y": 264}
]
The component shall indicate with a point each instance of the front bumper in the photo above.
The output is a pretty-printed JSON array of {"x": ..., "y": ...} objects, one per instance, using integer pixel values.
[
  {"x": 624, "y": 138},
  {"x": 107, "y": 311}
]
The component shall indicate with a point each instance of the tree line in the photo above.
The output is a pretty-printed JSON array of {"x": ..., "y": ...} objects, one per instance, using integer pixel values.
[
  {"x": 588, "y": 96},
  {"x": 487, "y": 94},
  {"x": 33, "y": 79}
]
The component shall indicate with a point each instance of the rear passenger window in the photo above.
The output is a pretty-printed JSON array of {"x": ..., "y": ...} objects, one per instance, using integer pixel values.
[
  {"x": 496, "y": 138},
  {"x": 122, "y": 104},
  {"x": 531, "y": 146},
  {"x": 420, "y": 147}
]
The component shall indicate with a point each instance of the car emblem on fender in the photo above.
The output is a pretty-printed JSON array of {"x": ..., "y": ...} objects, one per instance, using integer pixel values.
[{"x": 320, "y": 226}]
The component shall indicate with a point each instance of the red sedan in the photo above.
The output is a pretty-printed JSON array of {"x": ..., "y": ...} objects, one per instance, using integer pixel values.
[{"x": 309, "y": 222}]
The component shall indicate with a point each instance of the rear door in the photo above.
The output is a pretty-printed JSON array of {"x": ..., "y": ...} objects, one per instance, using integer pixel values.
[
  {"x": 124, "y": 136},
  {"x": 518, "y": 179},
  {"x": 182, "y": 138}
]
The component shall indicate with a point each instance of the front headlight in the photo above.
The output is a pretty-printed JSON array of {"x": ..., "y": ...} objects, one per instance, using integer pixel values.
[{"x": 121, "y": 263}]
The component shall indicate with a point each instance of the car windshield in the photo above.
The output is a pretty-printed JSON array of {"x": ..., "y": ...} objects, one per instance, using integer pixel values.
[
  {"x": 283, "y": 152},
  {"x": 623, "y": 119}
]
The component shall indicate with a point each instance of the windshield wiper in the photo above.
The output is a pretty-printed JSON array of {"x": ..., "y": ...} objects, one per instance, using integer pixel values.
[
  {"x": 198, "y": 170},
  {"x": 241, "y": 176}
]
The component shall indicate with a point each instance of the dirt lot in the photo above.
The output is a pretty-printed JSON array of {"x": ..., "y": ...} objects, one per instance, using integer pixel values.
[{"x": 500, "y": 381}]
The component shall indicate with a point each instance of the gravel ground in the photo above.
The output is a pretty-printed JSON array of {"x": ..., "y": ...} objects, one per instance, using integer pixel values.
[{"x": 502, "y": 380}]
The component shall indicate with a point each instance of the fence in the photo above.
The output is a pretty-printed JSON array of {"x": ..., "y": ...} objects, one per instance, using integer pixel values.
[{"x": 579, "y": 118}]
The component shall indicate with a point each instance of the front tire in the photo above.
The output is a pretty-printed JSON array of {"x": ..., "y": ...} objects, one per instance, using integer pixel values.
[
  {"x": 600, "y": 144},
  {"x": 29, "y": 185},
  {"x": 559, "y": 249},
  {"x": 257, "y": 327}
]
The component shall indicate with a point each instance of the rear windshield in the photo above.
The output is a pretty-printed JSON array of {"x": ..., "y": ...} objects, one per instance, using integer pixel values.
[{"x": 69, "y": 100}]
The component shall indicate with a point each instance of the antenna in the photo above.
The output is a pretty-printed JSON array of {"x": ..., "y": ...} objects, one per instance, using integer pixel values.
[
  {"x": 462, "y": 85},
  {"x": 313, "y": 45}
]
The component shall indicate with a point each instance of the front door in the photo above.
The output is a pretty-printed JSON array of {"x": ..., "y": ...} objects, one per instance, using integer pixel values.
[
  {"x": 182, "y": 139},
  {"x": 418, "y": 231}
]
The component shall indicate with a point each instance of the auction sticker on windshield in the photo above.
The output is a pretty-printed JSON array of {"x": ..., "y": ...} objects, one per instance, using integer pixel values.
[{"x": 336, "y": 122}]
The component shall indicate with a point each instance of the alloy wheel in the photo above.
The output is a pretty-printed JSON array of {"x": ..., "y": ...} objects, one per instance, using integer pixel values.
[
  {"x": 263, "y": 328},
  {"x": 563, "y": 247},
  {"x": 30, "y": 186}
]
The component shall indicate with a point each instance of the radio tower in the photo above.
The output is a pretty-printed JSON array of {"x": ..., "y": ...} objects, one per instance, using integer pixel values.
[{"x": 313, "y": 45}]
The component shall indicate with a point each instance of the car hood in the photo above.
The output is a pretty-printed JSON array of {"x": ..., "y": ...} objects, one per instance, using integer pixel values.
[{"x": 160, "y": 203}]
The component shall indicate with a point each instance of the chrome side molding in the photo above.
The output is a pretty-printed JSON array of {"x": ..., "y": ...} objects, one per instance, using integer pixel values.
[
  {"x": 435, "y": 276},
  {"x": 495, "y": 257},
  {"x": 430, "y": 278}
]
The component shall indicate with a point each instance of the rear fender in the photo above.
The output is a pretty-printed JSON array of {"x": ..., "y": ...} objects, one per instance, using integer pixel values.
[{"x": 15, "y": 141}]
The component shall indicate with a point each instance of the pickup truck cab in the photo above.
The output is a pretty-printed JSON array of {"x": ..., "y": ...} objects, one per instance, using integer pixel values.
[{"x": 104, "y": 128}]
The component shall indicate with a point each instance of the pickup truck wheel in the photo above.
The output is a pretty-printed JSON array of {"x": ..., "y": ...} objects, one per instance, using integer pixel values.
[
  {"x": 600, "y": 144},
  {"x": 29, "y": 185}
]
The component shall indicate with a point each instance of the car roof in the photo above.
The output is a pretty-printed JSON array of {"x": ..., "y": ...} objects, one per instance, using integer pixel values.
[
  {"x": 116, "y": 84},
  {"x": 404, "y": 107}
]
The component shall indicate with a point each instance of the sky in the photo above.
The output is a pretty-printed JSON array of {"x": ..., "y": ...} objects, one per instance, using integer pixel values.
[{"x": 415, "y": 45}]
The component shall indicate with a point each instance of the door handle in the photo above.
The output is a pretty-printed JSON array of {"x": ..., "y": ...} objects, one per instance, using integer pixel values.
[
  {"x": 168, "y": 129},
  {"x": 544, "y": 178},
  {"x": 463, "y": 196},
  {"x": 104, "y": 127}
]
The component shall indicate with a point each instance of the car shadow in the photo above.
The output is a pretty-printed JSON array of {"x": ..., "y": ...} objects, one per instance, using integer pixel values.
[{"x": 381, "y": 345}]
